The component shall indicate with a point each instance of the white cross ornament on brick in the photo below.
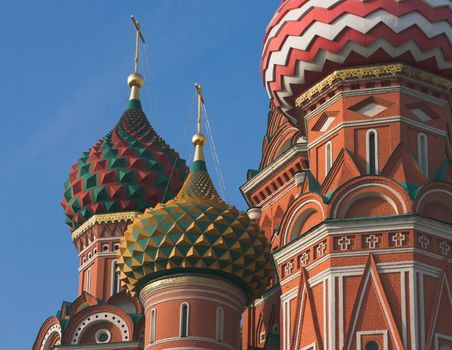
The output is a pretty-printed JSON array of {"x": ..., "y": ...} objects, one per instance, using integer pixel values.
[
  {"x": 398, "y": 239},
  {"x": 344, "y": 243},
  {"x": 372, "y": 241}
]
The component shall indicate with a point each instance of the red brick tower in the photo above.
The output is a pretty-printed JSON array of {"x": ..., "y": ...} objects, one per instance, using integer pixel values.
[
  {"x": 195, "y": 262},
  {"x": 128, "y": 170},
  {"x": 355, "y": 193}
]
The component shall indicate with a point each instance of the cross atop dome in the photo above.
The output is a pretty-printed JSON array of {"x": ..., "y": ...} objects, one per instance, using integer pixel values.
[{"x": 136, "y": 80}]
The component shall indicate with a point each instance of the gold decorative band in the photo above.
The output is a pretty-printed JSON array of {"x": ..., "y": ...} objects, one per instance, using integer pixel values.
[
  {"x": 373, "y": 71},
  {"x": 103, "y": 218},
  {"x": 192, "y": 280}
]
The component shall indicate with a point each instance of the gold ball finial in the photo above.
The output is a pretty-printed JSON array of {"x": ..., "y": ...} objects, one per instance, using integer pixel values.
[
  {"x": 135, "y": 79},
  {"x": 198, "y": 140}
]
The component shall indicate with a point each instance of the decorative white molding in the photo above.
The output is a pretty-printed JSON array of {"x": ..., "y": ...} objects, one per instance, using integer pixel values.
[
  {"x": 103, "y": 218},
  {"x": 359, "y": 344},
  {"x": 114, "y": 319},
  {"x": 375, "y": 122},
  {"x": 278, "y": 164},
  {"x": 343, "y": 227},
  {"x": 48, "y": 337}
]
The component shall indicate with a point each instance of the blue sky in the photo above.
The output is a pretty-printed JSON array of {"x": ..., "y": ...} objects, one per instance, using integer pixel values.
[{"x": 64, "y": 70}]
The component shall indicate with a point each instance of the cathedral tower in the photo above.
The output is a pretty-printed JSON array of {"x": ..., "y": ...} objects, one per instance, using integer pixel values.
[
  {"x": 128, "y": 170},
  {"x": 195, "y": 263},
  {"x": 362, "y": 230}
]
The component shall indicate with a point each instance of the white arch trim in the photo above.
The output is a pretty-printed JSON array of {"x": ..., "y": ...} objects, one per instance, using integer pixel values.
[
  {"x": 286, "y": 233},
  {"x": 429, "y": 193},
  {"x": 390, "y": 189},
  {"x": 372, "y": 195},
  {"x": 99, "y": 317},
  {"x": 47, "y": 341}
]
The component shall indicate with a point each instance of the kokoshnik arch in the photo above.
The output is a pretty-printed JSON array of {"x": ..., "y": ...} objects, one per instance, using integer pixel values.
[{"x": 352, "y": 201}]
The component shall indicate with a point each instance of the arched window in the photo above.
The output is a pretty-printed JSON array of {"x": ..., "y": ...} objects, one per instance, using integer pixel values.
[
  {"x": 220, "y": 323},
  {"x": 328, "y": 157},
  {"x": 184, "y": 314},
  {"x": 153, "y": 324},
  {"x": 372, "y": 152},
  {"x": 88, "y": 280},
  {"x": 372, "y": 345},
  {"x": 115, "y": 283},
  {"x": 422, "y": 149}
]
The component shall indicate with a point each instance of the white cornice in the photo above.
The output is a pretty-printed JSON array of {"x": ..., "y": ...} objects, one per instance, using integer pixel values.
[
  {"x": 368, "y": 121},
  {"x": 340, "y": 227},
  {"x": 375, "y": 91},
  {"x": 277, "y": 165}
]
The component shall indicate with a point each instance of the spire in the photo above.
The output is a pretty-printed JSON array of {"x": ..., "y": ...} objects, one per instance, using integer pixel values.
[
  {"x": 135, "y": 80},
  {"x": 198, "y": 186},
  {"x": 199, "y": 140}
]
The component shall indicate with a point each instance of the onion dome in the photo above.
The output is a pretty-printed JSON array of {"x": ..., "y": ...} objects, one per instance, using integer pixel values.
[
  {"x": 195, "y": 232},
  {"x": 130, "y": 169},
  {"x": 308, "y": 39}
]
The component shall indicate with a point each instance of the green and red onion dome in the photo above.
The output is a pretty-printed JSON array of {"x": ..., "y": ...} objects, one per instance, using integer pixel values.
[
  {"x": 130, "y": 169},
  {"x": 195, "y": 232}
]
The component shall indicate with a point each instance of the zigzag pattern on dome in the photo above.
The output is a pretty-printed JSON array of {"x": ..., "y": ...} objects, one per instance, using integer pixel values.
[
  {"x": 127, "y": 170},
  {"x": 196, "y": 231},
  {"x": 308, "y": 39}
]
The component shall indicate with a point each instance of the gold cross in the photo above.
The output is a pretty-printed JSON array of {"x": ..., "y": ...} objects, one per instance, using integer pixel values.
[{"x": 139, "y": 36}]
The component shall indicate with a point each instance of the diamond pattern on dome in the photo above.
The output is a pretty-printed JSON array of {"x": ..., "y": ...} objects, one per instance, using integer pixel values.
[
  {"x": 129, "y": 169},
  {"x": 196, "y": 231}
]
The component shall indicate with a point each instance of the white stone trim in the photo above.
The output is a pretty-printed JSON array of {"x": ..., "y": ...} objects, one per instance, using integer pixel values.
[
  {"x": 181, "y": 319},
  {"x": 429, "y": 193},
  {"x": 114, "y": 319},
  {"x": 403, "y": 307},
  {"x": 331, "y": 228},
  {"x": 390, "y": 201},
  {"x": 375, "y": 122},
  {"x": 233, "y": 302},
  {"x": 287, "y": 234},
  {"x": 383, "y": 332},
  {"x": 328, "y": 157},
  {"x": 56, "y": 328},
  {"x": 152, "y": 330},
  {"x": 279, "y": 163},
  {"x": 185, "y": 297},
  {"x": 311, "y": 346},
  {"x": 377, "y": 169}
]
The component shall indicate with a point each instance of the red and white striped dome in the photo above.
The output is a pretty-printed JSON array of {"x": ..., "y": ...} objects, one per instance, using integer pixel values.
[{"x": 308, "y": 39}]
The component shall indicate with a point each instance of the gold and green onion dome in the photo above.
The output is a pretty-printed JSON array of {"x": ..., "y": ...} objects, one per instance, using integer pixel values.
[
  {"x": 195, "y": 232},
  {"x": 130, "y": 169}
]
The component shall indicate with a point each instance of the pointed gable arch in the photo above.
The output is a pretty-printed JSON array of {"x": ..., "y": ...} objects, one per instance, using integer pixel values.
[
  {"x": 343, "y": 170},
  {"x": 442, "y": 307},
  {"x": 371, "y": 290},
  {"x": 403, "y": 168}
]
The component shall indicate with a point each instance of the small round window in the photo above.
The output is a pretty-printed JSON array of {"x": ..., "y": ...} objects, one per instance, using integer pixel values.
[
  {"x": 372, "y": 345},
  {"x": 103, "y": 336}
]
